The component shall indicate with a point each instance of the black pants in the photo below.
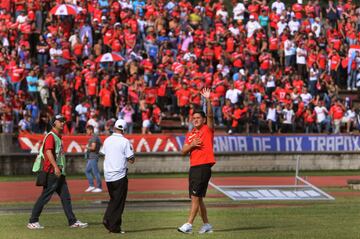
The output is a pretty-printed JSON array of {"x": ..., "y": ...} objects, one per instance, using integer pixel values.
[
  {"x": 58, "y": 185},
  {"x": 118, "y": 192}
]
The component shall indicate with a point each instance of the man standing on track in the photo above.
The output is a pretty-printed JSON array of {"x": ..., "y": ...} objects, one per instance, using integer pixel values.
[
  {"x": 118, "y": 152},
  {"x": 199, "y": 143},
  {"x": 54, "y": 165}
]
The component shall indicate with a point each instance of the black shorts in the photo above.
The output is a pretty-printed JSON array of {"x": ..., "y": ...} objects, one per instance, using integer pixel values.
[{"x": 199, "y": 177}]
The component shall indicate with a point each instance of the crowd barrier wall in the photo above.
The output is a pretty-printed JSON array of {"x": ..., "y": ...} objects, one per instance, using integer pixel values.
[{"x": 21, "y": 163}]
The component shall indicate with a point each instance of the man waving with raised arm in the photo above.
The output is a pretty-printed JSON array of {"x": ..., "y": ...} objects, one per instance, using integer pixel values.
[{"x": 199, "y": 143}]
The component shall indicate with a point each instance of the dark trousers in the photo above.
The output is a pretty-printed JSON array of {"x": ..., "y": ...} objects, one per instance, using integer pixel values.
[
  {"x": 58, "y": 185},
  {"x": 118, "y": 192}
]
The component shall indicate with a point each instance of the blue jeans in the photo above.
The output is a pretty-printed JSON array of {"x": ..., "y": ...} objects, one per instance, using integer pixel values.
[{"x": 92, "y": 169}]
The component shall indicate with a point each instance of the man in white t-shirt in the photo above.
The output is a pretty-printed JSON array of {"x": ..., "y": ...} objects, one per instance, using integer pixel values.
[
  {"x": 288, "y": 119},
  {"x": 322, "y": 118},
  {"x": 294, "y": 25},
  {"x": 233, "y": 94},
  {"x": 289, "y": 52},
  {"x": 239, "y": 11},
  {"x": 279, "y": 6},
  {"x": 306, "y": 96},
  {"x": 281, "y": 25},
  {"x": 301, "y": 55},
  {"x": 252, "y": 26},
  {"x": 118, "y": 152}
]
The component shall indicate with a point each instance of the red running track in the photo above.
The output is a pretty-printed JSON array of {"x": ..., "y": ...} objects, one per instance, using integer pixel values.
[{"x": 28, "y": 192}]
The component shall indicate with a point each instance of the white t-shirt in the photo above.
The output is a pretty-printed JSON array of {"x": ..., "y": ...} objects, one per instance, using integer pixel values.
[
  {"x": 288, "y": 116},
  {"x": 252, "y": 26},
  {"x": 117, "y": 150},
  {"x": 306, "y": 98},
  {"x": 94, "y": 124},
  {"x": 321, "y": 112},
  {"x": 238, "y": 11},
  {"x": 289, "y": 48},
  {"x": 317, "y": 30},
  {"x": 271, "y": 114},
  {"x": 81, "y": 110},
  {"x": 294, "y": 26},
  {"x": 281, "y": 26},
  {"x": 280, "y": 6},
  {"x": 314, "y": 73},
  {"x": 233, "y": 95},
  {"x": 300, "y": 58}
]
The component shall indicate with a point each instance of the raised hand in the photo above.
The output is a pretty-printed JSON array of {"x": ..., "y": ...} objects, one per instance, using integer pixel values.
[{"x": 206, "y": 93}]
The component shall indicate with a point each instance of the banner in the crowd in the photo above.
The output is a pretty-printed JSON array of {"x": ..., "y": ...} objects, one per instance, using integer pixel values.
[
  {"x": 77, "y": 144},
  {"x": 226, "y": 143}
]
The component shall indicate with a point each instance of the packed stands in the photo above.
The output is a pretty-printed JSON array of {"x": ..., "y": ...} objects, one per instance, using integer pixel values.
[{"x": 273, "y": 67}]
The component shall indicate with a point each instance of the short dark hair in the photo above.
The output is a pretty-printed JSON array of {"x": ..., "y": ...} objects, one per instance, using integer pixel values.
[
  {"x": 90, "y": 127},
  {"x": 202, "y": 113}
]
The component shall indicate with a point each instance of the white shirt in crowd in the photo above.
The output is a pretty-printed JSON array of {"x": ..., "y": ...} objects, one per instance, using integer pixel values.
[
  {"x": 314, "y": 74},
  {"x": 288, "y": 116},
  {"x": 316, "y": 28},
  {"x": 223, "y": 14},
  {"x": 82, "y": 111},
  {"x": 301, "y": 56},
  {"x": 349, "y": 116},
  {"x": 251, "y": 27},
  {"x": 238, "y": 11},
  {"x": 271, "y": 114},
  {"x": 280, "y": 6},
  {"x": 117, "y": 150},
  {"x": 233, "y": 95},
  {"x": 321, "y": 113},
  {"x": 94, "y": 123},
  {"x": 293, "y": 26},
  {"x": 281, "y": 26},
  {"x": 289, "y": 48},
  {"x": 306, "y": 98}
]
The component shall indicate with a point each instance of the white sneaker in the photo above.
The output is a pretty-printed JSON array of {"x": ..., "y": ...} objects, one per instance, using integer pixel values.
[
  {"x": 34, "y": 225},
  {"x": 97, "y": 190},
  {"x": 349, "y": 88},
  {"x": 186, "y": 228},
  {"x": 79, "y": 224},
  {"x": 206, "y": 228},
  {"x": 89, "y": 189}
]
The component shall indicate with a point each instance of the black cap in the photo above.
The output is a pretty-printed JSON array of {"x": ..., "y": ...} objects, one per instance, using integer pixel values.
[{"x": 58, "y": 117}]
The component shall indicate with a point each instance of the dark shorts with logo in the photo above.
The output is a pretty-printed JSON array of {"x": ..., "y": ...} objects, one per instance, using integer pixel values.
[{"x": 199, "y": 177}]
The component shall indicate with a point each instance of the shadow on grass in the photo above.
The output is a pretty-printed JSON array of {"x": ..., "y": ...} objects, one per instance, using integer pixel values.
[
  {"x": 242, "y": 229},
  {"x": 151, "y": 229}
]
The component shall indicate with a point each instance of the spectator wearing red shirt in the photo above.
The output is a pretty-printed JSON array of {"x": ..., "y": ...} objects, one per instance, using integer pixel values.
[
  {"x": 156, "y": 118},
  {"x": 67, "y": 112},
  {"x": 227, "y": 115},
  {"x": 336, "y": 113},
  {"x": 106, "y": 102},
  {"x": 183, "y": 97},
  {"x": 309, "y": 119}
]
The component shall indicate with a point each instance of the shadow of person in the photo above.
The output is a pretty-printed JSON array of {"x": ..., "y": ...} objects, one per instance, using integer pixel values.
[
  {"x": 151, "y": 229},
  {"x": 242, "y": 229}
]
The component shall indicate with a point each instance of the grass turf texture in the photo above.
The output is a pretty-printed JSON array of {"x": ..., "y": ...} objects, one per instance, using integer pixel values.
[{"x": 269, "y": 220}]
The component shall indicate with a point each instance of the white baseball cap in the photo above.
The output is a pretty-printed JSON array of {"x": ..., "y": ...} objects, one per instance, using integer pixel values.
[{"x": 120, "y": 124}]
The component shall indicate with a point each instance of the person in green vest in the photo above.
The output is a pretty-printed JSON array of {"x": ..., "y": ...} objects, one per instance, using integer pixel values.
[{"x": 51, "y": 159}]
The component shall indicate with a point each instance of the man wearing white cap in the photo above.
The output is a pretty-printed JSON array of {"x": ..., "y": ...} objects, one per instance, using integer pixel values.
[
  {"x": 118, "y": 152},
  {"x": 282, "y": 24},
  {"x": 252, "y": 26}
]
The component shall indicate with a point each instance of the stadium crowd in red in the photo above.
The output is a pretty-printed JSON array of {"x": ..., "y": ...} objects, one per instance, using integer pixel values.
[{"x": 271, "y": 67}]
